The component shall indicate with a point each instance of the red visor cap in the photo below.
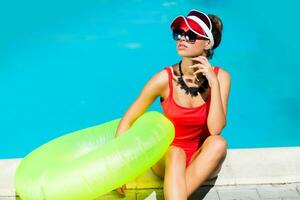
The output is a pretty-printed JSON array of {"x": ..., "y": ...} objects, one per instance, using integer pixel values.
[{"x": 187, "y": 24}]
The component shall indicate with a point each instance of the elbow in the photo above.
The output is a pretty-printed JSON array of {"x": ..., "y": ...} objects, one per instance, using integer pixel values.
[{"x": 216, "y": 130}]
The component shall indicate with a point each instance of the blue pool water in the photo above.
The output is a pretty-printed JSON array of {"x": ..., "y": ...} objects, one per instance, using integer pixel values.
[{"x": 68, "y": 66}]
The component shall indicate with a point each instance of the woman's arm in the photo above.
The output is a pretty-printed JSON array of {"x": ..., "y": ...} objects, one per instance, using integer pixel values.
[
  {"x": 149, "y": 93},
  {"x": 218, "y": 105}
]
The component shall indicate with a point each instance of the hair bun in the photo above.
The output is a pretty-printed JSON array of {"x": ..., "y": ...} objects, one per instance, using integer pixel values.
[
  {"x": 217, "y": 27},
  {"x": 216, "y": 21}
]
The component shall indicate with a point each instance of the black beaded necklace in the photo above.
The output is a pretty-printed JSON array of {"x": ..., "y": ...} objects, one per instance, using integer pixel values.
[{"x": 191, "y": 90}]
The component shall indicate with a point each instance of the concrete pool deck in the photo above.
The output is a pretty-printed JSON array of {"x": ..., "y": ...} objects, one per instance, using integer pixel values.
[{"x": 255, "y": 173}]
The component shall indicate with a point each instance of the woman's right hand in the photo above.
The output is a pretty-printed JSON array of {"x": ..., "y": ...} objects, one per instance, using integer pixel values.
[{"x": 122, "y": 190}]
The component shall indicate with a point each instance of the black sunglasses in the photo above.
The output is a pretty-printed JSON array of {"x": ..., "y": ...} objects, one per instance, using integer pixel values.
[{"x": 190, "y": 36}]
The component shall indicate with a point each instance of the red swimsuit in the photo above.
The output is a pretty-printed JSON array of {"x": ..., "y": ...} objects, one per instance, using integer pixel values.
[{"x": 190, "y": 123}]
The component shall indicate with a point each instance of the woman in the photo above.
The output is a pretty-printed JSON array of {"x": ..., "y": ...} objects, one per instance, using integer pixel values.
[{"x": 194, "y": 97}]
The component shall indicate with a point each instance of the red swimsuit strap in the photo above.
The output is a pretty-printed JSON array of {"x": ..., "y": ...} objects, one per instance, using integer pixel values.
[{"x": 170, "y": 80}]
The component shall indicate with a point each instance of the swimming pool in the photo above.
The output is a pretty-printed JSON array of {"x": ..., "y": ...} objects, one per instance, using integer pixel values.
[{"x": 65, "y": 66}]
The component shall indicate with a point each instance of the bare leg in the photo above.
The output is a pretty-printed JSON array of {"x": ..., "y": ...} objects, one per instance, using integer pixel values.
[
  {"x": 174, "y": 181},
  {"x": 209, "y": 158},
  {"x": 206, "y": 163}
]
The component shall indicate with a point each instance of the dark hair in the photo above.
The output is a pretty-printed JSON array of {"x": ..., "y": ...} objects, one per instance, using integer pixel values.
[{"x": 217, "y": 27}]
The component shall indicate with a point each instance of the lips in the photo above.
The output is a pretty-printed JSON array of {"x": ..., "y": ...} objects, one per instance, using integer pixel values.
[{"x": 181, "y": 45}]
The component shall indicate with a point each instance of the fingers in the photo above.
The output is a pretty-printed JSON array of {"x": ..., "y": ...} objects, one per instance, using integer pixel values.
[
  {"x": 199, "y": 71},
  {"x": 201, "y": 59},
  {"x": 196, "y": 73},
  {"x": 124, "y": 187},
  {"x": 176, "y": 77},
  {"x": 122, "y": 190},
  {"x": 202, "y": 70},
  {"x": 197, "y": 66}
]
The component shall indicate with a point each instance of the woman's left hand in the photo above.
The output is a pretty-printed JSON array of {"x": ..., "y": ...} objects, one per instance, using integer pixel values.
[{"x": 205, "y": 68}]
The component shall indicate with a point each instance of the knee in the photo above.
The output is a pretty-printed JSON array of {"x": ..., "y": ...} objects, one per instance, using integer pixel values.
[
  {"x": 174, "y": 156},
  {"x": 218, "y": 143}
]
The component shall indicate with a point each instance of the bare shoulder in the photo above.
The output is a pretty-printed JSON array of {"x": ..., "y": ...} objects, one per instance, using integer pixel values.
[
  {"x": 161, "y": 78},
  {"x": 223, "y": 75},
  {"x": 158, "y": 83}
]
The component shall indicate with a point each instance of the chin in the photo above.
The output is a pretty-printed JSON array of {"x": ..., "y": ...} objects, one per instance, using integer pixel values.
[{"x": 184, "y": 53}]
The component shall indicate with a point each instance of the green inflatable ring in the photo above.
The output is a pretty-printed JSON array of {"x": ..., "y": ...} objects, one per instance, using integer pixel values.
[{"x": 88, "y": 163}]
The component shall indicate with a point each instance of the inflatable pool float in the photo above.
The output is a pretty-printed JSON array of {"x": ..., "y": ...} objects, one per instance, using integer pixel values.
[{"x": 88, "y": 163}]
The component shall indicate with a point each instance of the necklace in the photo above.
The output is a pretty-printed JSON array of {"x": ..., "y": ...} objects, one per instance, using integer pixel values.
[{"x": 191, "y": 90}]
